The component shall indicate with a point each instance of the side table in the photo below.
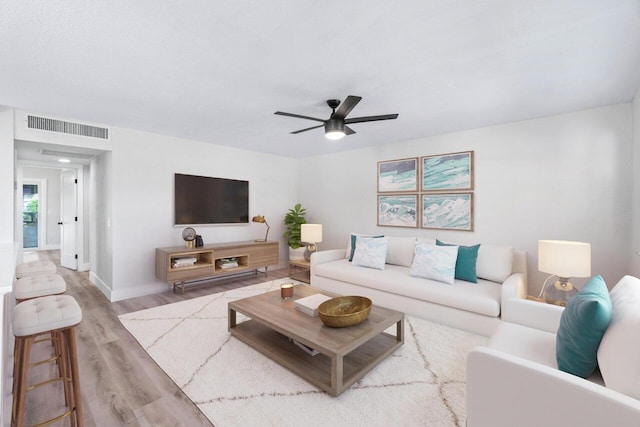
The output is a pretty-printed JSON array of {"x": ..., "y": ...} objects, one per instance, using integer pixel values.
[{"x": 300, "y": 270}]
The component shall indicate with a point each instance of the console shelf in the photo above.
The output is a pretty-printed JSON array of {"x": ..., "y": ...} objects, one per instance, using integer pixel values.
[{"x": 248, "y": 255}]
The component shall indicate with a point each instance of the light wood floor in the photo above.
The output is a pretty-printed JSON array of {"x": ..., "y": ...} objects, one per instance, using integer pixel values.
[{"x": 120, "y": 384}]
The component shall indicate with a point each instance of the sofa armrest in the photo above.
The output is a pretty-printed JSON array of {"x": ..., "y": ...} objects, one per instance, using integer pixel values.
[
  {"x": 515, "y": 307},
  {"x": 496, "y": 396},
  {"x": 534, "y": 314},
  {"x": 514, "y": 287},
  {"x": 322, "y": 257}
]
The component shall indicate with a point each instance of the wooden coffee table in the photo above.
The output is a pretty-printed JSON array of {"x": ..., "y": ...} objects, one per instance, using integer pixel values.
[{"x": 346, "y": 354}]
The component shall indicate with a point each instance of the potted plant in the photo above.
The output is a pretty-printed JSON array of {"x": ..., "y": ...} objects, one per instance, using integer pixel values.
[{"x": 293, "y": 221}]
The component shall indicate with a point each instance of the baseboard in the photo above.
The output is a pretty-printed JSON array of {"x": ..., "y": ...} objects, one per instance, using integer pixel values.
[
  {"x": 103, "y": 287},
  {"x": 84, "y": 267},
  {"x": 138, "y": 291}
]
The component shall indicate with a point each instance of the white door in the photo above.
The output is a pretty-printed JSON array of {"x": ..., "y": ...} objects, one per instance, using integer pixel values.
[{"x": 69, "y": 221}]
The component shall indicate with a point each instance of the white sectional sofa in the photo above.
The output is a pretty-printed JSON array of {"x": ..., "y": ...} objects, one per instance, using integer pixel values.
[
  {"x": 515, "y": 380},
  {"x": 475, "y": 307}
]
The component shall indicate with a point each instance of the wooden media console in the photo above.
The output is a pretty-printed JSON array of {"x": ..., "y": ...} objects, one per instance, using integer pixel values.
[{"x": 214, "y": 260}]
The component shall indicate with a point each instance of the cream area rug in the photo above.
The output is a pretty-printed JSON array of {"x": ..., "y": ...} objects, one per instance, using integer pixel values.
[{"x": 421, "y": 384}]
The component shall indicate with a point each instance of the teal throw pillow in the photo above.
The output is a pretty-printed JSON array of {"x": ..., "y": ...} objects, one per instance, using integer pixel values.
[
  {"x": 466, "y": 262},
  {"x": 353, "y": 243},
  {"x": 582, "y": 326}
]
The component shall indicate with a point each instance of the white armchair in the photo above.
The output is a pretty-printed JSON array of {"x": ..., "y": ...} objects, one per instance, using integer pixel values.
[
  {"x": 507, "y": 391},
  {"x": 514, "y": 381}
]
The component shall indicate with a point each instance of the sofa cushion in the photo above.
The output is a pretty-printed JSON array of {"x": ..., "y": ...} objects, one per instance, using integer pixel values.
[
  {"x": 619, "y": 351},
  {"x": 351, "y": 247},
  {"x": 400, "y": 250},
  {"x": 494, "y": 263},
  {"x": 482, "y": 298},
  {"x": 582, "y": 325},
  {"x": 370, "y": 252},
  {"x": 428, "y": 240},
  {"x": 466, "y": 261},
  {"x": 435, "y": 262}
]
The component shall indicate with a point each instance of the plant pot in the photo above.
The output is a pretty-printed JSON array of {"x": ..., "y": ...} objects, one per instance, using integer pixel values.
[{"x": 295, "y": 254}]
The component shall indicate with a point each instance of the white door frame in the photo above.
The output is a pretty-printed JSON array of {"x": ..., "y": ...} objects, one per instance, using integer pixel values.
[{"x": 80, "y": 202}]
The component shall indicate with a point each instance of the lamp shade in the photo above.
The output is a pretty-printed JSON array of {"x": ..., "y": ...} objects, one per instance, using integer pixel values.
[
  {"x": 564, "y": 258},
  {"x": 311, "y": 233},
  {"x": 259, "y": 218}
]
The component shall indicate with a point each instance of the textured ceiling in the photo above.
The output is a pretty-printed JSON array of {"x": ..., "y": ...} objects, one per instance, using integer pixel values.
[{"x": 216, "y": 71}]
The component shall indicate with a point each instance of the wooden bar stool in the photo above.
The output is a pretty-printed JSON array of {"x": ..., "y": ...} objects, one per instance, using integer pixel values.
[
  {"x": 58, "y": 314},
  {"x": 35, "y": 268},
  {"x": 38, "y": 286}
]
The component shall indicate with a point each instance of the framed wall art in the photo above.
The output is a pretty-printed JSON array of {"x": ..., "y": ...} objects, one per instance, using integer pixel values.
[
  {"x": 447, "y": 172},
  {"x": 398, "y": 175},
  {"x": 452, "y": 211},
  {"x": 398, "y": 210}
]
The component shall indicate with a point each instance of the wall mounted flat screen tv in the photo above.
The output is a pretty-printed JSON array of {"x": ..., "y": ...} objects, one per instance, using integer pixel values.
[{"x": 206, "y": 200}]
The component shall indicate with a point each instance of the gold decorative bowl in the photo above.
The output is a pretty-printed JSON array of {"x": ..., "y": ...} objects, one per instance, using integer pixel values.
[{"x": 344, "y": 311}]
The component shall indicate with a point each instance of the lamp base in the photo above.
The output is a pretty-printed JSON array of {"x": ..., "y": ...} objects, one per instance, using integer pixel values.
[
  {"x": 311, "y": 248},
  {"x": 560, "y": 292}
]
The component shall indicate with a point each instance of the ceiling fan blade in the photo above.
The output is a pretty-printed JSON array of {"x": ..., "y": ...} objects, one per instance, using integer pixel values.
[
  {"x": 346, "y": 107},
  {"x": 298, "y": 116},
  {"x": 371, "y": 118},
  {"x": 304, "y": 130},
  {"x": 348, "y": 130}
]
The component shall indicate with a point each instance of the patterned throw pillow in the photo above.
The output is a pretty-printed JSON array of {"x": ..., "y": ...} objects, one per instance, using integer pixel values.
[
  {"x": 435, "y": 262},
  {"x": 370, "y": 252},
  {"x": 351, "y": 247}
]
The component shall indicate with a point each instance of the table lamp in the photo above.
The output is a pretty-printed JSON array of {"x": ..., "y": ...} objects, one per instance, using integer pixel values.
[
  {"x": 261, "y": 219},
  {"x": 562, "y": 259},
  {"x": 311, "y": 234}
]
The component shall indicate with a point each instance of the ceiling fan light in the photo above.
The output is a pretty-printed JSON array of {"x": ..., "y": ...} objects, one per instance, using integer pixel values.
[
  {"x": 334, "y": 129},
  {"x": 334, "y": 135}
]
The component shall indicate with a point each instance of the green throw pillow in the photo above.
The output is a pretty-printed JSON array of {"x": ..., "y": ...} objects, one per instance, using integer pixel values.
[
  {"x": 353, "y": 244},
  {"x": 582, "y": 325},
  {"x": 466, "y": 262}
]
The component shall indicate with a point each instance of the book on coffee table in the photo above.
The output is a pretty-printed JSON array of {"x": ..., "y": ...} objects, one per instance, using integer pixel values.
[{"x": 309, "y": 305}]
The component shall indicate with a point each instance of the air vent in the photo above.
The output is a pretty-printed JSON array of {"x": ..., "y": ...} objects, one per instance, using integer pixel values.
[
  {"x": 52, "y": 125},
  {"x": 66, "y": 154}
]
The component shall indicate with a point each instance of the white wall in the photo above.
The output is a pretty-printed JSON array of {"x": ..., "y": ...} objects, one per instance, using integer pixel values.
[
  {"x": 635, "y": 239},
  {"x": 7, "y": 174},
  {"x": 52, "y": 203},
  {"x": 100, "y": 208},
  {"x": 84, "y": 263},
  {"x": 142, "y": 190},
  {"x": 563, "y": 177}
]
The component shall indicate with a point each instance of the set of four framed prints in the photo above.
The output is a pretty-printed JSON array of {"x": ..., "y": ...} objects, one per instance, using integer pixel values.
[{"x": 431, "y": 192}]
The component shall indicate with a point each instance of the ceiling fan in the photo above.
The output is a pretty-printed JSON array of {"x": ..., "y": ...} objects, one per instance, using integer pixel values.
[{"x": 335, "y": 127}]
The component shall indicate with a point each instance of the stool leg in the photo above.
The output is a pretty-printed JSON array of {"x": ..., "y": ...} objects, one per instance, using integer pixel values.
[
  {"x": 70, "y": 335},
  {"x": 17, "y": 369},
  {"x": 22, "y": 381},
  {"x": 63, "y": 367}
]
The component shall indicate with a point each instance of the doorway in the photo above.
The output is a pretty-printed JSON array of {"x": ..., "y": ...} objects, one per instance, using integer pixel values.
[{"x": 33, "y": 213}]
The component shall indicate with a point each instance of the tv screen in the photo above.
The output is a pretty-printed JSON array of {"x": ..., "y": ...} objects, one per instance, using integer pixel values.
[{"x": 205, "y": 200}]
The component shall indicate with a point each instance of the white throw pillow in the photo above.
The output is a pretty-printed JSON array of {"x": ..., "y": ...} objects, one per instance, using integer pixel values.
[
  {"x": 351, "y": 239},
  {"x": 400, "y": 251},
  {"x": 435, "y": 262},
  {"x": 370, "y": 252},
  {"x": 619, "y": 351},
  {"x": 494, "y": 263}
]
